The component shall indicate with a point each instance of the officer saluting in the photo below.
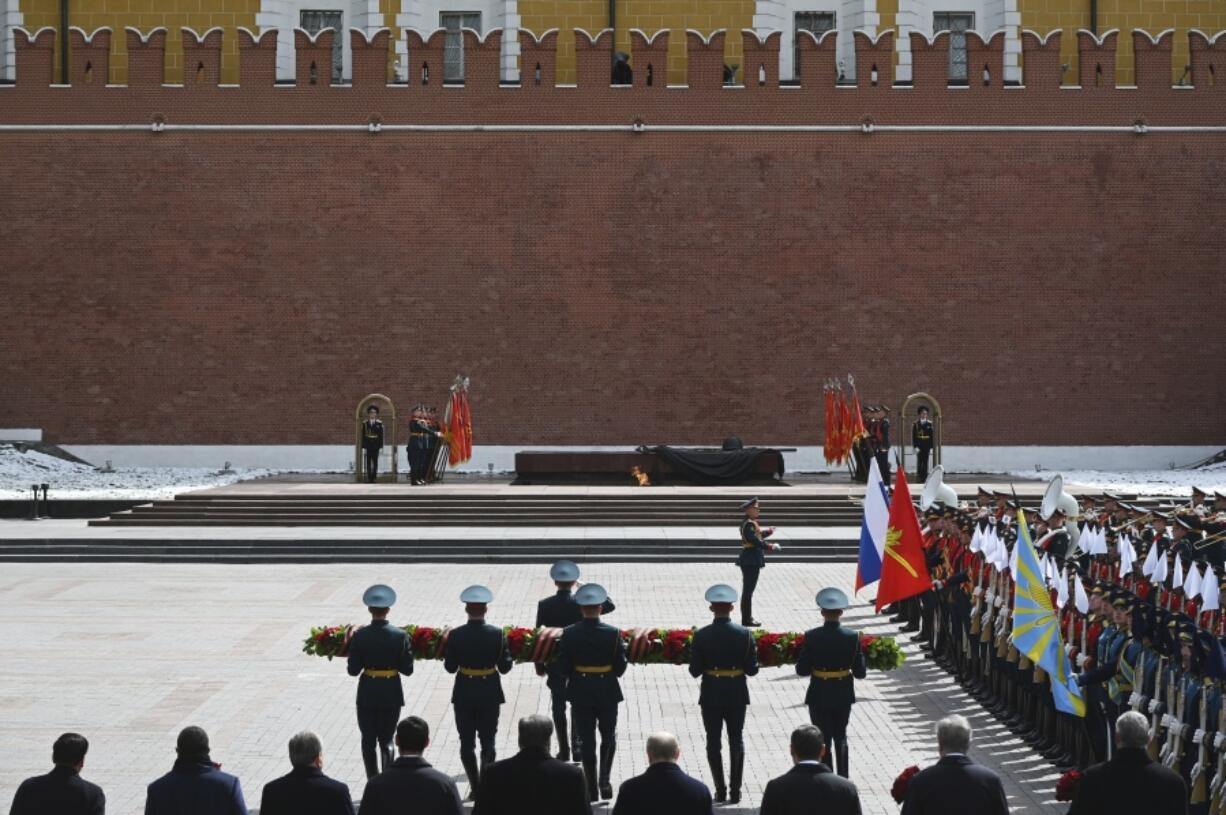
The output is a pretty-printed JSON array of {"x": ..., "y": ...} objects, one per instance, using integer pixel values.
[
  {"x": 723, "y": 654},
  {"x": 832, "y": 659},
  {"x": 558, "y": 611},
  {"x": 372, "y": 442},
  {"x": 476, "y": 653},
  {"x": 752, "y": 559},
  {"x": 593, "y": 657},
  {"x": 379, "y": 654}
]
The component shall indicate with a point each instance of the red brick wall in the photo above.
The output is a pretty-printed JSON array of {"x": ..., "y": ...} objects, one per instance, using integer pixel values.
[{"x": 604, "y": 288}]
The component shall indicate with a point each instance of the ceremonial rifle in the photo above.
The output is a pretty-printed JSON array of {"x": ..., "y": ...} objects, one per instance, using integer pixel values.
[
  {"x": 1199, "y": 787},
  {"x": 1155, "y": 718},
  {"x": 1175, "y": 729},
  {"x": 1172, "y": 694},
  {"x": 1215, "y": 789}
]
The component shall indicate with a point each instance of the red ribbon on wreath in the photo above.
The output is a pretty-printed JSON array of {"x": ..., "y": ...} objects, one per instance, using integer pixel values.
[
  {"x": 899, "y": 791},
  {"x": 1066, "y": 787}
]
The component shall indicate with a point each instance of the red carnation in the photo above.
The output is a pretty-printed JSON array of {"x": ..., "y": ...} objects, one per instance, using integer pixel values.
[
  {"x": 866, "y": 640},
  {"x": 899, "y": 791},
  {"x": 674, "y": 644},
  {"x": 1066, "y": 787},
  {"x": 515, "y": 640}
]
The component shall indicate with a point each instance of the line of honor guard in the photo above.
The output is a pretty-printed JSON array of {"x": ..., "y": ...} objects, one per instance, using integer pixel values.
[
  {"x": 1138, "y": 612},
  {"x": 590, "y": 659}
]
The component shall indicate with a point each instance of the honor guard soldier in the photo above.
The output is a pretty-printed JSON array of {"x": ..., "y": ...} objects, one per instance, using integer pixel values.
[
  {"x": 421, "y": 434},
  {"x": 593, "y": 657},
  {"x": 922, "y": 439},
  {"x": 372, "y": 442},
  {"x": 723, "y": 654},
  {"x": 476, "y": 653},
  {"x": 832, "y": 659},
  {"x": 752, "y": 559},
  {"x": 378, "y": 655},
  {"x": 559, "y": 611}
]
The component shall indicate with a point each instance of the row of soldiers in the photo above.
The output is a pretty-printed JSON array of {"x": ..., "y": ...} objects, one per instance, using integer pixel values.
[
  {"x": 1141, "y": 633},
  {"x": 424, "y": 438},
  {"x": 583, "y": 674}
]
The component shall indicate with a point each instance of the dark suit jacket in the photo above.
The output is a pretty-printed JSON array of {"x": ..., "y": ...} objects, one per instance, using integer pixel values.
[
  {"x": 306, "y": 791},
  {"x": 62, "y": 791},
  {"x": 808, "y": 788},
  {"x": 192, "y": 788},
  {"x": 955, "y": 784},
  {"x": 664, "y": 789},
  {"x": 533, "y": 782},
  {"x": 561, "y": 610},
  {"x": 831, "y": 648},
  {"x": 380, "y": 646},
  {"x": 1130, "y": 782},
  {"x": 411, "y": 779}
]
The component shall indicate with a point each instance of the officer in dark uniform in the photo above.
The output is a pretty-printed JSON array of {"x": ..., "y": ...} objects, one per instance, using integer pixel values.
[
  {"x": 593, "y": 657},
  {"x": 922, "y": 439},
  {"x": 372, "y": 442},
  {"x": 558, "y": 611},
  {"x": 379, "y": 654},
  {"x": 476, "y": 653},
  {"x": 879, "y": 431},
  {"x": 752, "y": 559},
  {"x": 723, "y": 654},
  {"x": 832, "y": 659},
  {"x": 421, "y": 435}
]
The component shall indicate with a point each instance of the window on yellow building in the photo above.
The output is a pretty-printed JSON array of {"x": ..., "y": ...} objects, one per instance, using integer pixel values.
[
  {"x": 454, "y": 22},
  {"x": 314, "y": 22},
  {"x": 815, "y": 22},
  {"x": 957, "y": 23}
]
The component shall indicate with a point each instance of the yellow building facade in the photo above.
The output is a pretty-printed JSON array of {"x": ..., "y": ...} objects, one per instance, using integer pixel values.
[{"x": 649, "y": 16}]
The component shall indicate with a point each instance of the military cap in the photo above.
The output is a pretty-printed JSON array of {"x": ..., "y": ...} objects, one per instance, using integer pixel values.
[
  {"x": 984, "y": 491},
  {"x": 720, "y": 593},
  {"x": 1159, "y": 513},
  {"x": 832, "y": 599},
  {"x": 1219, "y": 498},
  {"x": 1098, "y": 588},
  {"x": 564, "y": 571},
  {"x": 379, "y": 596},
  {"x": 1198, "y": 491},
  {"x": 591, "y": 594},
  {"x": 476, "y": 594},
  {"x": 752, "y": 502},
  {"x": 1111, "y": 496},
  {"x": 1179, "y": 519},
  {"x": 934, "y": 510}
]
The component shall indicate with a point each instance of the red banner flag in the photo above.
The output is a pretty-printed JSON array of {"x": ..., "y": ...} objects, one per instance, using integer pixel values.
[
  {"x": 904, "y": 573},
  {"x": 827, "y": 447}
]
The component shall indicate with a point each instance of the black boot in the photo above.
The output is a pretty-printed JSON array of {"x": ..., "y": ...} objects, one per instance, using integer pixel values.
[
  {"x": 840, "y": 752},
  {"x": 606, "y": 767},
  {"x": 385, "y": 755},
  {"x": 747, "y": 619},
  {"x": 738, "y": 772},
  {"x": 473, "y": 773},
  {"x": 589, "y": 777},
  {"x": 563, "y": 741},
  {"x": 716, "y": 761}
]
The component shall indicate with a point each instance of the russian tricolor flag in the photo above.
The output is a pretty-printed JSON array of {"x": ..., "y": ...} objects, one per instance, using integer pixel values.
[{"x": 872, "y": 529}]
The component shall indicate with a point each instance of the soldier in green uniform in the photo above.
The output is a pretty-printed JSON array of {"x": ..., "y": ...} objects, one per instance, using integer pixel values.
[
  {"x": 752, "y": 559},
  {"x": 476, "y": 653},
  {"x": 593, "y": 657},
  {"x": 832, "y": 659},
  {"x": 723, "y": 654},
  {"x": 379, "y": 654}
]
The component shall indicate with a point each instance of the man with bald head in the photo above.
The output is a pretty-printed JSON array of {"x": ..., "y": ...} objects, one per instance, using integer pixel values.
[{"x": 664, "y": 789}]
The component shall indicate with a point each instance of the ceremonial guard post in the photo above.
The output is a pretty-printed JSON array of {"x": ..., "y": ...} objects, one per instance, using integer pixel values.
[
  {"x": 378, "y": 655},
  {"x": 832, "y": 659},
  {"x": 558, "y": 611},
  {"x": 476, "y": 653},
  {"x": 752, "y": 559},
  {"x": 923, "y": 436},
  {"x": 372, "y": 442},
  {"x": 723, "y": 654},
  {"x": 593, "y": 657}
]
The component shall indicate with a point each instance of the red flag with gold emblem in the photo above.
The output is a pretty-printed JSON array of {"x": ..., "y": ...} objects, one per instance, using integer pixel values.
[{"x": 904, "y": 572}]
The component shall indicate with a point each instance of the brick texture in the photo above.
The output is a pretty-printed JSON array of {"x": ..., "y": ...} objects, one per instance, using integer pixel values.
[{"x": 609, "y": 288}]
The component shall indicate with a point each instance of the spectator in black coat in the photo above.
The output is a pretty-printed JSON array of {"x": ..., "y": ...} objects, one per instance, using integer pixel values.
[
  {"x": 306, "y": 790},
  {"x": 410, "y": 784},
  {"x": 810, "y": 786},
  {"x": 532, "y": 780},
  {"x": 664, "y": 789},
  {"x": 195, "y": 785},
  {"x": 63, "y": 790},
  {"x": 1130, "y": 781},
  {"x": 955, "y": 783}
]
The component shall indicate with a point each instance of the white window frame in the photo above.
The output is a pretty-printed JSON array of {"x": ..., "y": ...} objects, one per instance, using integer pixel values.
[
  {"x": 285, "y": 16},
  {"x": 945, "y": 21},
  {"x": 454, "y": 42},
  {"x": 796, "y": 29},
  {"x": 338, "y": 39},
  {"x": 423, "y": 16}
]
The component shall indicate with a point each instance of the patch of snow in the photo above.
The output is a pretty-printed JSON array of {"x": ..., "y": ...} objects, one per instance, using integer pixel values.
[
  {"x": 1178, "y": 483},
  {"x": 70, "y": 480}
]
